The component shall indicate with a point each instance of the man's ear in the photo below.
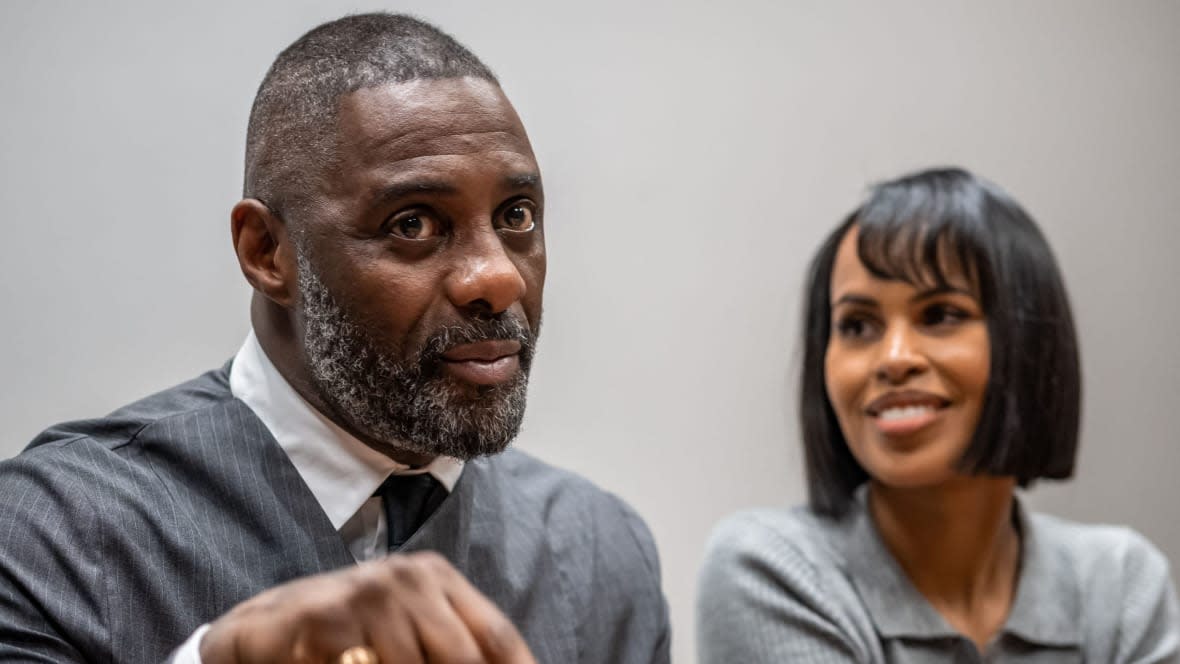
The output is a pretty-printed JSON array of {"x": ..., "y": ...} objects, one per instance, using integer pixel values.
[{"x": 264, "y": 250}]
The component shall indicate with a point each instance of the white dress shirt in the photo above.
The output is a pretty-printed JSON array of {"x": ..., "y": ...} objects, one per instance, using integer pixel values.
[{"x": 341, "y": 471}]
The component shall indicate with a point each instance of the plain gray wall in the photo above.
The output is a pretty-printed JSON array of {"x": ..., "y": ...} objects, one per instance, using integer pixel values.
[{"x": 693, "y": 156}]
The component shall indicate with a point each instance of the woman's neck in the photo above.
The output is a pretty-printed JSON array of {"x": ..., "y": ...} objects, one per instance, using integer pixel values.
[{"x": 958, "y": 545}]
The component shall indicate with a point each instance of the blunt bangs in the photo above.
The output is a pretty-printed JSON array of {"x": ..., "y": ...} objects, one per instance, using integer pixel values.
[
  {"x": 937, "y": 228},
  {"x": 924, "y": 233}
]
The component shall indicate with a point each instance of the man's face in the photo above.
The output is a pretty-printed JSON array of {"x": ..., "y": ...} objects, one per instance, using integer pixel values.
[{"x": 421, "y": 268}]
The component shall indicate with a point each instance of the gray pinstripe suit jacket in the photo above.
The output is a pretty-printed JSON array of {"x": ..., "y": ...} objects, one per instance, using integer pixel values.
[{"x": 119, "y": 536}]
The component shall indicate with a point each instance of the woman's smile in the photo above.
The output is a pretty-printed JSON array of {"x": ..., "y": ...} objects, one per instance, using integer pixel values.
[
  {"x": 906, "y": 370},
  {"x": 901, "y": 413}
]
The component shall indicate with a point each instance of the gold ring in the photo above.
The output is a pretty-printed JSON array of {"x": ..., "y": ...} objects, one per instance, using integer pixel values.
[{"x": 358, "y": 655}]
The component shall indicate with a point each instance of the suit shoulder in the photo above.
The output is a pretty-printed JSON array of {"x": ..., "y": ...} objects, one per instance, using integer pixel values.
[
  {"x": 63, "y": 492},
  {"x": 94, "y": 465},
  {"x": 608, "y": 557},
  {"x": 122, "y": 425},
  {"x": 547, "y": 483},
  {"x": 521, "y": 464},
  {"x": 573, "y": 503}
]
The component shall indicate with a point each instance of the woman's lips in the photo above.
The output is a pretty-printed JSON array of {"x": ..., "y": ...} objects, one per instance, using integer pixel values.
[
  {"x": 484, "y": 362},
  {"x": 905, "y": 412},
  {"x": 904, "y": 420}
]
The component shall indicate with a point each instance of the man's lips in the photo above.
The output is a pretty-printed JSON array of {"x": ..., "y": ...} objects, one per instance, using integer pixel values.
[
  {"x": 483, "y": 351},
  {"x": 484, "y": 362}
]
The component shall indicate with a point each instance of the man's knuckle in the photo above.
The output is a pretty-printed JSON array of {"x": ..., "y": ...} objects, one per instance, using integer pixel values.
[
  {"x": 405, "y": 572},
  {"x": 369, "y": 583},
  {"x": 498, "y": 637},
  {"x": 324, "y": 612},
  {"x": 432, "y": 561},
  {"x": 460, "y": 655}
]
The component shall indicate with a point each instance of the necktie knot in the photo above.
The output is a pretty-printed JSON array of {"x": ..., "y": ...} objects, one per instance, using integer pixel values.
[{"x": 408, "y": 500}]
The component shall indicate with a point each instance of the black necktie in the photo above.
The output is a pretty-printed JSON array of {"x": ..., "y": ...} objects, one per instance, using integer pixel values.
[{"x": 409, "y": 500}]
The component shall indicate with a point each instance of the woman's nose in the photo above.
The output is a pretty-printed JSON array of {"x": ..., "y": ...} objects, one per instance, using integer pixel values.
[{"x": 901, "y": 355}]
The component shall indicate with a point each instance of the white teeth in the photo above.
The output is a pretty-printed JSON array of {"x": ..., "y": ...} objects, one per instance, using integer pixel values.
[{"x": 904, "y": 412}]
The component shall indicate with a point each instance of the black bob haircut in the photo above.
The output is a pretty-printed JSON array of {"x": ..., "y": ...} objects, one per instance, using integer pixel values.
[{"x": 918, "y": 228}]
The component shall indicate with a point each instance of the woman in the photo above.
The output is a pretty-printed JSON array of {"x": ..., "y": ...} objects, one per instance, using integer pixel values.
[{"x": 940, "y": 373}]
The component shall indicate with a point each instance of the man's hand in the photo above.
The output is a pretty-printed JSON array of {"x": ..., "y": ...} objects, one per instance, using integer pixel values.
[{"x": 412, "y": 608}]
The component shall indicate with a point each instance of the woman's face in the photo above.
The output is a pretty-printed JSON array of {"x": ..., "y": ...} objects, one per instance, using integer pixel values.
[{"x": 906, "y": 371}]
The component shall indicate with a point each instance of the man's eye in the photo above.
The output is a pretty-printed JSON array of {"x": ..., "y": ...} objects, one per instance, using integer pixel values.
[
  {"x": 518, "y": 218},
  {"x": 413, "y": 227}
]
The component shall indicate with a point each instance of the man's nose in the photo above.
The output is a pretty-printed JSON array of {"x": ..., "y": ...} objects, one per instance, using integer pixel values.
[
  {"x": 901, "y": 354},
  {"x": 486, "y": 280}
]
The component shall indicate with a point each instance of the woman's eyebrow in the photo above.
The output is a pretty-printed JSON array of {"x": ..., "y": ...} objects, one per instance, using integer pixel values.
[
  {"x": 854, "y": 298},
  {"x": 940, "y": 290}
]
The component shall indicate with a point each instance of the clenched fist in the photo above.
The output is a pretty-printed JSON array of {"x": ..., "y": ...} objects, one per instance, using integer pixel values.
[{"x": 410, "y": 609}]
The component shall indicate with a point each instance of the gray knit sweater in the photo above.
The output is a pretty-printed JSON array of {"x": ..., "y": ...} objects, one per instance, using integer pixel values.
[{"x": 784, "y": 585}]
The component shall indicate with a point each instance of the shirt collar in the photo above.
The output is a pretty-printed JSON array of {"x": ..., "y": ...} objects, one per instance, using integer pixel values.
[
  {"x": 1048, "y": 602},
  {"x": 894, "y": 604},
  {"x": 1046, "y": 609},
  {"x": 341, "y": 471}
]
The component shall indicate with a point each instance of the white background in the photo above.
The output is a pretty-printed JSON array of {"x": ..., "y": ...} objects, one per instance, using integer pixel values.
[{"x": 693, "y": 158}]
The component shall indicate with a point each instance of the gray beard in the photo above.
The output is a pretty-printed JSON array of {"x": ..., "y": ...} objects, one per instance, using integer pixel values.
[{"x": 411, "y": 404}]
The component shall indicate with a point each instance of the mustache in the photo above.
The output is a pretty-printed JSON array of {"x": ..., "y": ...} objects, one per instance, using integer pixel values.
[{"x": 506, "y": 327}]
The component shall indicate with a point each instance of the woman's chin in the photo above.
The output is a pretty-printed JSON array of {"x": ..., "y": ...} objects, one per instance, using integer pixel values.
[
  {"x": 912, "y": 471},
  {"x": 910, "y": 464}
]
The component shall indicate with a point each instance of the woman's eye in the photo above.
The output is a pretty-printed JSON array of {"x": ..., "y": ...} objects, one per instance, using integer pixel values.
[
  {"x": 413, "y": 227},
  {"x": 517, "y": 217},
  {"x": 942, "y": 314},
  {"x": 854, "y": 327}
]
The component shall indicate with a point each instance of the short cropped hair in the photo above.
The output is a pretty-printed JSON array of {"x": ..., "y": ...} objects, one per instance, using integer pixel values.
[
  {"x": 291, "y": 138},
  {"x": 917, "y": 229}
]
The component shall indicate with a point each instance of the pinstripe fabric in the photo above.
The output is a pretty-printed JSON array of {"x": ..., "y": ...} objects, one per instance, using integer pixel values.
[
  {"x": 120, "y": 536},
  {"x": 789, "y": 586}
]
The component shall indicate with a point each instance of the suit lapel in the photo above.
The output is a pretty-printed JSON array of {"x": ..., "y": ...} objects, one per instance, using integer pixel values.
[
  {"x": 497, "y": 538},
  {"x": 307, "y": 541}
]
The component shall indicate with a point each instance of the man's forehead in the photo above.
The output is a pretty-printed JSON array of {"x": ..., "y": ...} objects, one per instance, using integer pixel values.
[{"x": 426, "y": 117}]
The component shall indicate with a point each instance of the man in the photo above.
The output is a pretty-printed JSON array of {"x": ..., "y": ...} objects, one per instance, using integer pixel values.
[{"x": 392, "y": 229}]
